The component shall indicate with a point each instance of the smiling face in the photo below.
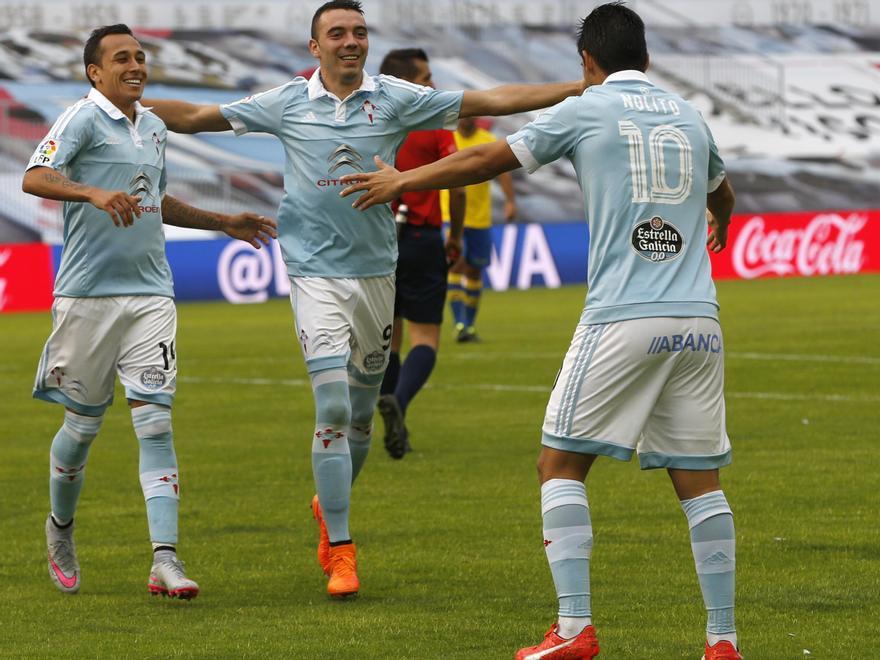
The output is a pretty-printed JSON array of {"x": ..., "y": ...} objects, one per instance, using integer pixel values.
[
  {"x": 341, "y": 45},
  {"x": 121, "y": 72}
]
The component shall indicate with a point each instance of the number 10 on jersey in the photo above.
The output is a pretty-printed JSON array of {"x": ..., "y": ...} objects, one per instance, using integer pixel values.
[{"x": 653, "y": 163}]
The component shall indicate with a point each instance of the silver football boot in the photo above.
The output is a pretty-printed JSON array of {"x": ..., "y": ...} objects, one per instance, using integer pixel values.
[
  {"x": 63, "y": 566},
  {"x": 168, "y": 578}
]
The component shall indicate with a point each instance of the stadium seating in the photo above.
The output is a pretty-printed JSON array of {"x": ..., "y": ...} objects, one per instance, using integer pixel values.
[{"x": 794, "y": 110}]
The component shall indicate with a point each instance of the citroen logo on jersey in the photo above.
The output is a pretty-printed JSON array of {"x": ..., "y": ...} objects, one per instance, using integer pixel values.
[
  {"x": 140, "y": 186},
  {"x": 345, "y": 155}
]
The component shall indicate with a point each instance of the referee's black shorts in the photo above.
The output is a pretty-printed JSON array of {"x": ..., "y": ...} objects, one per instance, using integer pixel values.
[{"x": 421, "y": 274}]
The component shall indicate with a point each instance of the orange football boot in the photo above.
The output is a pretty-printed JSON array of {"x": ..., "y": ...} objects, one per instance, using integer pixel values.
[
  {"x": 581, "y": 647},
  {"x": 723, "y": 650},
  {"x": 323, "y": 538},
  {"x": 343, "y": 571}
]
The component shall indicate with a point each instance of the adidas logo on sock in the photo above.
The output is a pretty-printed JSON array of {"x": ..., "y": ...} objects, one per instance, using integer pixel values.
[{"x": 717, "y": 558}]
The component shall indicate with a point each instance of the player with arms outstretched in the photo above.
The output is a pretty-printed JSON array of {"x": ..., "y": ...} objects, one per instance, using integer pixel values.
[
  {"x": 341, "y": 263},
  {"x": 114, "y": 308},
  {"x": 644, "y": 372}
]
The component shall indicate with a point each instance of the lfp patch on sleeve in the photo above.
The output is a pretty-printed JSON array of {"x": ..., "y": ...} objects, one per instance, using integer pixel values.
[
  {"x": 44, "y": 155},
  {"x": 657, "y": 240}
]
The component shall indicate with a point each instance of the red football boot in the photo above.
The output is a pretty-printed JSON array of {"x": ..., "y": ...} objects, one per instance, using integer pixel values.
[{"x": 554, "y": 647}]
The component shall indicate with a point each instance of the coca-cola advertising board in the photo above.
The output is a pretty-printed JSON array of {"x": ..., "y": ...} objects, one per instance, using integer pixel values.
[{"x": 801, "y": 245}]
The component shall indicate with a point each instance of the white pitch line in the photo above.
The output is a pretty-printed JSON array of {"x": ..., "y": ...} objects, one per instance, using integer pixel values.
[
  {"x": 782, "y": 396},
  {"x": 543, "y": 389},
  {"x": 735, "y": 355},
  {"x": 289, "y": 382},
  {"x": 502, "y": 356},
  {"x": 795, "y": 357},
  {"x": 298, "y": 382},
  {"x": 558, "y": 355}
]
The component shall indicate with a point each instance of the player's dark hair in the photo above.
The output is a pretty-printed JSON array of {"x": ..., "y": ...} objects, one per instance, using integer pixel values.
[
  {"x": 92, "y": 52},
  {"x": 350, "y": 5},
  {"x": 614, "y": 36},
  {"x": 401, "y": 63}
]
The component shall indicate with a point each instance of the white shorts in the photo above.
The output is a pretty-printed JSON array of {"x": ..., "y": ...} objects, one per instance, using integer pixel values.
[
  {"x": 94, "y": 338},
  {"x": 344, "y": 323},
  {"x": 653, "y": 385}
]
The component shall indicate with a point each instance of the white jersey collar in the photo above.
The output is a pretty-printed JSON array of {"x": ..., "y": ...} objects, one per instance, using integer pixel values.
[
  {"x": 317, "y": 89},
  {"x": 628, "y": 74},
  {"x": 112, "y": 111}
]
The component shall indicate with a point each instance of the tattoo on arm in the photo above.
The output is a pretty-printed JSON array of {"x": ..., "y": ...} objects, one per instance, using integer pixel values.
[
  {"x": 54, "y": 178},
  {"x": 175, "y": 212}
]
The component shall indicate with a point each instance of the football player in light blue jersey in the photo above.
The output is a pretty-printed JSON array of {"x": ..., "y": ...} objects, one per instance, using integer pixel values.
[
  {"x": 644, "y": 372},
  {"x": 341, "y": 263},
  {"x": 113, "y": 310}
]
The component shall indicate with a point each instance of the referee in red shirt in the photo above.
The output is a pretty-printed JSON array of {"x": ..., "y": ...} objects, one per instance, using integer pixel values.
[{"x": 422, "y": 263}]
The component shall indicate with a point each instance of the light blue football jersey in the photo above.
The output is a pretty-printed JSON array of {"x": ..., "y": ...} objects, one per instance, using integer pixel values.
[
  {"x": 94, "y": 143},
  {"x": 324, "y": 137},
  {"x": 645, "y": 160}
]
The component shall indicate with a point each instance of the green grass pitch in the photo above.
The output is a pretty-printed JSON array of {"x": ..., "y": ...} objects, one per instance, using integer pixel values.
[{"x": 451, "y": 560}]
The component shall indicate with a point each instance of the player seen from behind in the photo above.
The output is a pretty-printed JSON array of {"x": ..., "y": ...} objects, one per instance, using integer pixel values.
[{"x": 644, "y": 372}]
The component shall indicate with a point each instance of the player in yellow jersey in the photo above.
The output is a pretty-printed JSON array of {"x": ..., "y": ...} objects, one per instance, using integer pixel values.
[{"x": 465, "y": 280}]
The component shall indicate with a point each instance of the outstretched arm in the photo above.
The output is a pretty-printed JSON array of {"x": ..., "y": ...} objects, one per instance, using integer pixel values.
[
  {"x": 248, "y": 227},
  {"x": 50, "y": 184},
  {"x": 719, "y": 203},
  {"x": 510, "y": 99},
  {"x": 462, "y": 168},
  {"x": 457, "y": 207},
  {"x": 506, "y": 182},
  {"x": 183, "y": 117}
]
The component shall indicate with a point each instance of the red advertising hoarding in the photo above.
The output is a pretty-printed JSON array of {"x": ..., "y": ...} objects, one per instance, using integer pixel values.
[
  {"x": 800, "y": 245},
  {"x": 25, "y": 277}
]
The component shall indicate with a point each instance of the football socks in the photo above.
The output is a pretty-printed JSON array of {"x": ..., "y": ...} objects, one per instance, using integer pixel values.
[
  {"x": 67, "y": 463},
  {"x": 392, "y": 373},
  {"x": 331, "y": 457},
  {"x": 414, "y": 374},
  {"x": 568, "y": 542},
  {"x": 714, "y": 547},
  {"x": 158, "y": 470},
  {"x": 455, "y": 294},
  {"x": 363, "y": 405},
  {"x": 472, "y": 291}
]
